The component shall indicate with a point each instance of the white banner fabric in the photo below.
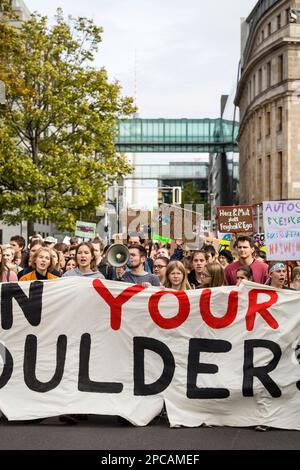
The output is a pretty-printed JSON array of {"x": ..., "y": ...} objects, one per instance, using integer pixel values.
[{"x": 224, "y": 356}]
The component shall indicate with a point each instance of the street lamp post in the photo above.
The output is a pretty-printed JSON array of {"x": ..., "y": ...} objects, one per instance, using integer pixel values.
[
  {"x": 2, "y": 92},
  {"x": 212, "y": 208}
]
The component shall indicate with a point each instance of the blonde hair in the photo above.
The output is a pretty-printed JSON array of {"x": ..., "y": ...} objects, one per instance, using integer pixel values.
[
  {"x": 36, "y": 254},
  {"x": 185, "y": 285},
  {"x": 10, "y": 265},
  {"x": 295, "y": 271},
  {"x": 8, "y": 248},
  {"x": 216, "y": 273}
]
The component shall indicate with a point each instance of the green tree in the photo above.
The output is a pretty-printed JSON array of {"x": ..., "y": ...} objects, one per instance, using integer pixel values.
[
  {"x": 58, "y": 127},
  {"x": 191, "y": 195}
]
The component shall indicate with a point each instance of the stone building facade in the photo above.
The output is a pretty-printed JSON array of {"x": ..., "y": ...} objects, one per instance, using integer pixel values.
[
  {"x": 223, "y": 178},
  {"x": 21, "y": 12},
  {"x": 268, "y": 96}
]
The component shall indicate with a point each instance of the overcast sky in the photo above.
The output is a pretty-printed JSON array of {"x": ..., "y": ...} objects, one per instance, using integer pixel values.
[
  {"x": 186, "y": 53},
  {"x": 177, "y": 57}
]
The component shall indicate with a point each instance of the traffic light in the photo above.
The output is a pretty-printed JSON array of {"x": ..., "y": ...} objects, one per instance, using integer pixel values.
[{"x": 176, "y": 195}]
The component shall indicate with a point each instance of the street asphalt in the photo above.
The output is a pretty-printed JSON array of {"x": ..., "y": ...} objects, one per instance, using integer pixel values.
[{"x": 107, "y": 433}]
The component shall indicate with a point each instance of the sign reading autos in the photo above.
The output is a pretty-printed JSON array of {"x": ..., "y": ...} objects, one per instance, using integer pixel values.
[
  {"x": 85, "y": 229},
  {"x": 225, "y": 356},
  {"x": 282, "y": 229}
]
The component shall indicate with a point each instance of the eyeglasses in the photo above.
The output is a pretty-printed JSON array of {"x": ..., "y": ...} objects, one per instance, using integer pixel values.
[{"x": 159, "y": 266}]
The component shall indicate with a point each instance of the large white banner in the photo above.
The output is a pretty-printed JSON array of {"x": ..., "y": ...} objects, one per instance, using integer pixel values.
[
  {"x": 225, "y": 356},
  {"x": 282, "y": 230}
]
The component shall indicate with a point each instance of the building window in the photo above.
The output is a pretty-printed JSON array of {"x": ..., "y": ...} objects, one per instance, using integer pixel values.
[
  {"x": 250, "y": 91},
  {"x": 269, "y": 178},
  {"x": 259, "y": 179},
  {"x": 259, "y": 128},
  {"x": 269, "y": 29},
  {"x": 260, "y": 81},
  {"x": 279, "y": 21},
  {"x": 269, "y": 74},
  {"x": 279, "y": 175},
  {"x": 254, "y": 85},
  {"x": 279, "y": 118},
  {"x": 263, "y": 35},
  {"x": 280, "y": 68},
  {"x": 268, "y": 123}
]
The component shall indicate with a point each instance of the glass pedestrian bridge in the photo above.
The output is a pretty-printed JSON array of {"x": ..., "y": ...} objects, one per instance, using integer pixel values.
[
  {"x": 180, "y": 171},
  {"x": 177, "y": 135}
]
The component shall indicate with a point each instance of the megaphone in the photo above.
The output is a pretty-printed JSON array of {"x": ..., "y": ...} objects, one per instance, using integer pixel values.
[{"x": 117, "y": 255}]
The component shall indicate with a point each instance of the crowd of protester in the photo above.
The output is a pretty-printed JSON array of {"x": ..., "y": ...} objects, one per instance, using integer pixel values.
[{"x": 150, "y": 263}]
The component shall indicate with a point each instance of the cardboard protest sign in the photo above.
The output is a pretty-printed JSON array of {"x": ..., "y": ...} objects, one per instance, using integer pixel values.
[
  {"x": 85, "y": 229},
  {"x": 235, "y": 219}
]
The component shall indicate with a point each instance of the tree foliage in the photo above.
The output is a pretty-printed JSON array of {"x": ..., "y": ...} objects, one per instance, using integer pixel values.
[
  {"x": 191, "y": 195},
  {"x": 58, "y": 127}
]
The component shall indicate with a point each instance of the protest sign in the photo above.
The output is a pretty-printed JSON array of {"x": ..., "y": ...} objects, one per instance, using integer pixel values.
[
  {"x": 224, "y": 239},
  {"x": 85, "y": 229},
  {"x": 225, "y": 356},
  {"x": 235, "y": 219},
  {"x": 282, "y": 230},
  {"x": 259, "y": 238}
]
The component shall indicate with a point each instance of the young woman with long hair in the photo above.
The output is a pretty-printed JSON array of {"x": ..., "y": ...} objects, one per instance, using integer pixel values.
[
  {"x": 70, "y": 264},
  {"x": 85, "y": 262},
  {"x": 6, "y": 275},
  {"x": 176, "y": 276},
  {"x": 34, "y": 247},
  {"x": 159, "y": 268},
  {"x": 41, "y": 263},
  {"x": 296, "y": 278},
  {"x": 212, "y": 275}
]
